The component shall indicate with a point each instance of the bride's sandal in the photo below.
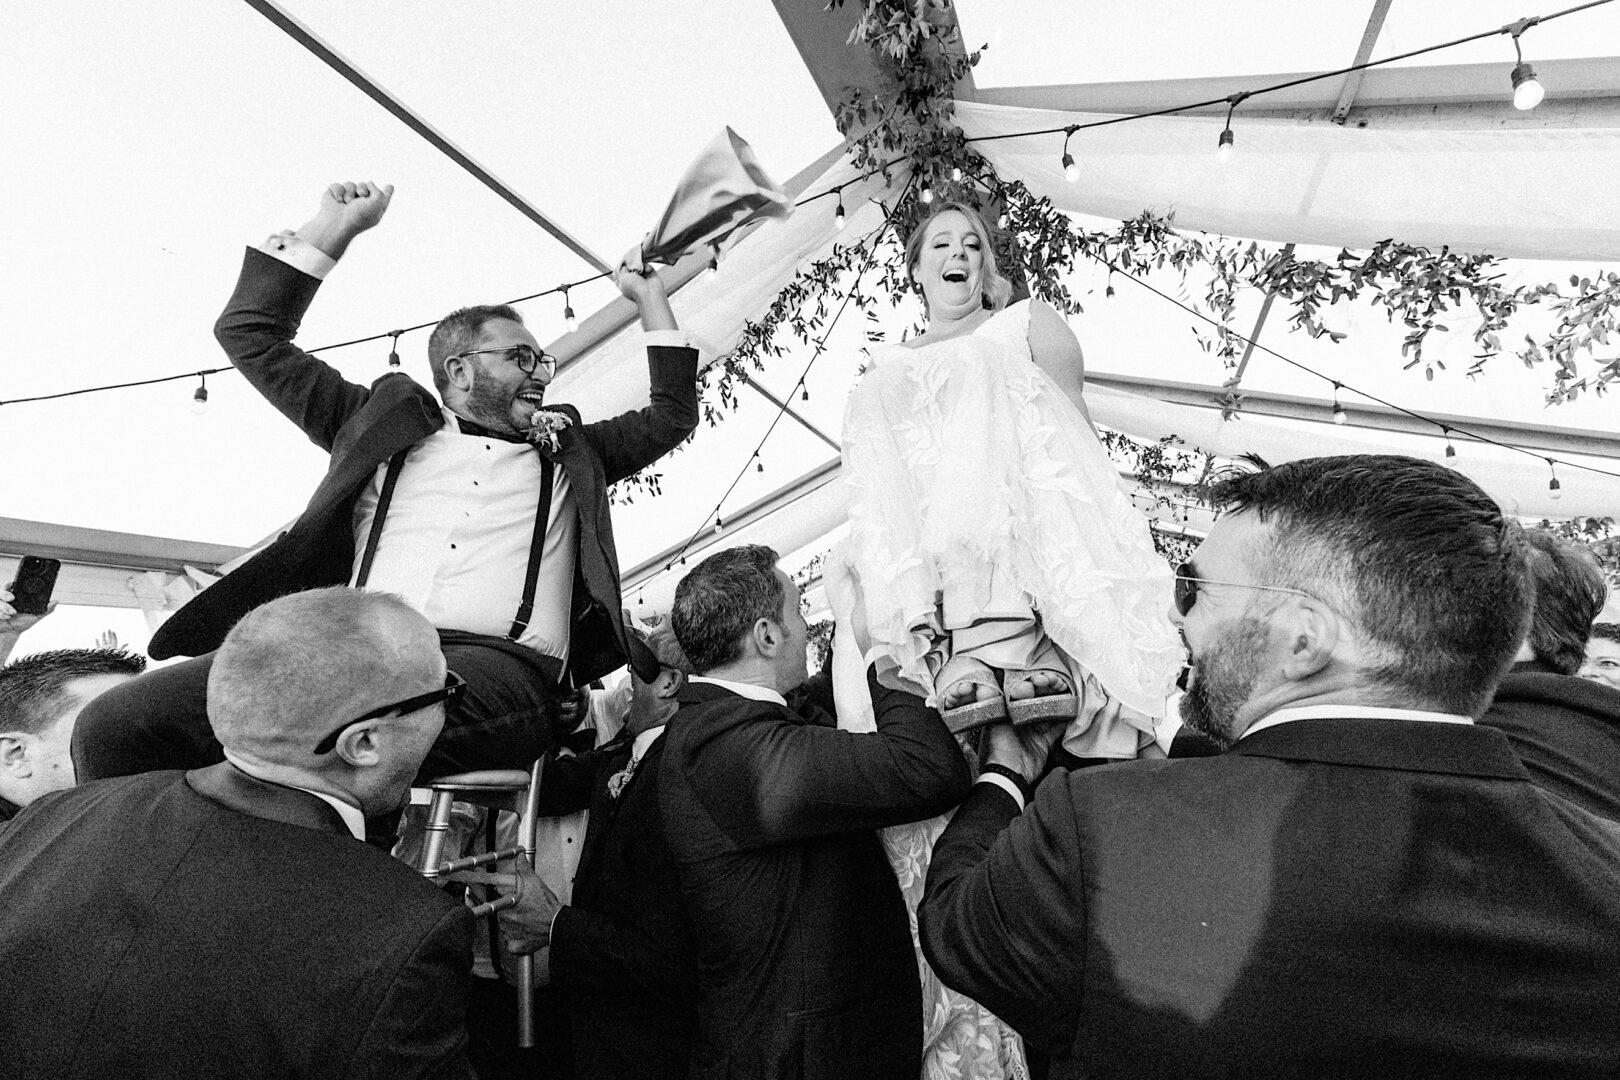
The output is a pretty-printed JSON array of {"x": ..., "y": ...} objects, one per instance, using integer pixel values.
[
  {"x": 959, "y": 671},
  {"x": 1041, "y": 708}
]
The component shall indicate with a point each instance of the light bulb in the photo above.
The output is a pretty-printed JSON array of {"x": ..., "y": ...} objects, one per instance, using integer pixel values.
[
  {"x": 1223, "y": 151},
  {"x": 569, "y": 320},
  {"x": 1554, "y": 489},
  {"x": 927, "y": 195},
  {"x": 1527, "y": 90},
  {"x": 199, "y": 400},
  {"x": 760, "y": 467},
  {"x": 714, "y": 265},
  {"x": 1001, "y": 222},
  {"x": 1339, "y": 415},
  {"x": 1108, "y": 294},
  {"x": 393, "y": 358},
  {"x": 718, "y": 526},
  {"x": 838, "y": 215},
  {"x": 1071, "y": 171},
  {"x": 956, "y": 174},
  {"x": 1451, "y": 451}
]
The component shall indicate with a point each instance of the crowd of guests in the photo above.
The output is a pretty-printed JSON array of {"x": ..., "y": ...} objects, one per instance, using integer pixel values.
[{"x": 1385, "y": 841}]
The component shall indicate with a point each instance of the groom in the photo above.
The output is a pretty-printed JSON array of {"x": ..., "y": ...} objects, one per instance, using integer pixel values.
[{"x": 506, "y": 546}]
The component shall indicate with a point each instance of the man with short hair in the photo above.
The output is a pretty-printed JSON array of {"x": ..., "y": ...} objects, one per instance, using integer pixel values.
[
  {"x": 805, "y": 962},
  {"x": 1566, "y": 730},
  {"x": 40, "y": 698},
  {"x": 1602, "y": 662},
  {"x": 1365, "y": 884},
  {"x": 486, "y": 509},
  {"x": 622, "y": 957},
  {"x": 231, "y": 921}
]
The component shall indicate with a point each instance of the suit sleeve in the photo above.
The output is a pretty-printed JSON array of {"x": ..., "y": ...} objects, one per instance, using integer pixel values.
[
  {"x": 420, "y": 1026},
  {"x": 256, "y": 332},
  {"x": 1004, "y": 907},
  {"x": 801, "y": 780},
  {"x": 567, "y": 783},
  {"x": 595, "y": 951},
  {"x": 636, "y": 439}
]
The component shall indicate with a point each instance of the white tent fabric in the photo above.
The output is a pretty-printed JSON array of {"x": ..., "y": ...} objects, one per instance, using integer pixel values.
[{"x": 1521, "y": 192}]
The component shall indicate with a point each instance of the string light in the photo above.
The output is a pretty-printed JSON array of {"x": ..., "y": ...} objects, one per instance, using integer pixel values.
[
  {"x": 838, "y": 214},
  {"x": 569, "y": 320},
  {"x": 719, "y": 526},
  {"x": 1527, "y": 89},
  {"x": 804, "y": 391},
  {"x": 1001, "y": 221},
  {"x": 759, "y": 466},
  {"x": 956, "y": 174},
  {"x": 1071, "y": 171},
  {"x": 1339, "y": 415},
  {"x": 1108, "y": 293},
  {"x": 1451, "y": 451},
  {"x": 714, "y": 260},
  {"x": 926, "y": 194},
  {"x": 1553, "y": 486},
  {"x": 1224, "y": 148},
  {"x": 199, "y": 400}
]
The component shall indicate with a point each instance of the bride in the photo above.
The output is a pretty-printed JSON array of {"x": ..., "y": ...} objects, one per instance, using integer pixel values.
[{"x": 993, "y": 562}]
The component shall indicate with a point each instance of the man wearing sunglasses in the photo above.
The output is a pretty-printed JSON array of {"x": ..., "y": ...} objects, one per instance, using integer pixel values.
[
  {"x": 1365, "y": 884},
  {"x": 229, "y": 921},
  {"x": 503, "y": 543}
]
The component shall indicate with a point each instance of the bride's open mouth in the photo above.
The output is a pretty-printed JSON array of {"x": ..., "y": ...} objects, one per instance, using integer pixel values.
[{"x": 958, "y": 277}]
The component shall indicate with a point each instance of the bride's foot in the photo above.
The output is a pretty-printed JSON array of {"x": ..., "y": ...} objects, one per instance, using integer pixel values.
[
  {"x": 1037, "y": 695},
  {"x": 970, "y": 696}
]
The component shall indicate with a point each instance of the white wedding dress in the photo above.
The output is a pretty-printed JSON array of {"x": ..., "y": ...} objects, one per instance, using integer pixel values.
[{"x": 977, "y": 489}]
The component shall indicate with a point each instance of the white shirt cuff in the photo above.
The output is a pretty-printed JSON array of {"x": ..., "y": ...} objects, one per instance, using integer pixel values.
[
  {"x": 1005, "y": 784},
  {"x": 299, "y": 254},
  {"x": 675, "y": 339}
]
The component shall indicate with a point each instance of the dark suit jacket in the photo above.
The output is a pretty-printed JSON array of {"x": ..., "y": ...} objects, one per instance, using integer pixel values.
[
  {"x": 623, "y": 952},
  {"x": 1566, "y": 730},
  {"x": 363, "y": 427},
  {"x": 208, "y": 924},
  {"x": 805, "y": 964},
  {"x": 1367, "y": 898}
]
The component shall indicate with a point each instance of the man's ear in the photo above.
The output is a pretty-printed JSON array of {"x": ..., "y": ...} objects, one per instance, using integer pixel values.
[
  {"x": 669, "y": 683},
  {"x": 358, "y": 745},
  {"x": 458, "y": 372},
  {"x": 15, "y": 759},
  {"x": 768, "y": 638},
  {"x": 1310, "y": 637}
]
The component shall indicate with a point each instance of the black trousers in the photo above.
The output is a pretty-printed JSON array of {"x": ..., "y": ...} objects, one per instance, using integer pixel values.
[{"x": 159, "y": 720}]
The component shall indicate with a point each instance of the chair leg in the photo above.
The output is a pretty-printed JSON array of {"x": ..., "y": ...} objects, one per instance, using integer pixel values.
[
  {"x": 528, "y": 827},
  {"x": 438, "y": 827}
]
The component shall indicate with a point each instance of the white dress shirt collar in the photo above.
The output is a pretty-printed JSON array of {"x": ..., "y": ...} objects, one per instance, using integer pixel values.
[
  {"x": 1350, "y": 712},
  {"x": 351, "y": 815},
  {"x": 741, "y": 689},
  {"x": 644, "y": 741}
]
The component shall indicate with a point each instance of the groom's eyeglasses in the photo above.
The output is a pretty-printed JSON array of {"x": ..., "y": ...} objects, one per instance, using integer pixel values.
[
  {"x": 524, "y": 357},
  {"x": 450, "y": 693},
  {"x": 1187, "y": 584}
]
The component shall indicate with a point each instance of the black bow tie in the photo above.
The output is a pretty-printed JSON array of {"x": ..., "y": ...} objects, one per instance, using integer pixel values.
[{"x": 469, "y": 427}]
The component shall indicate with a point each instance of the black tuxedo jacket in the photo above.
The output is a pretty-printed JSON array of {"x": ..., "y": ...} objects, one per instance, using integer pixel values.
[
  {"x": 1345, "y": 898},
  {"x": 623, "y": 953},
  {"x": 208, "y": 924},
  {"x": 805, "y": 964},
  {"x": 363, "y": 427},
  {"x": 1566, "y": 730}
]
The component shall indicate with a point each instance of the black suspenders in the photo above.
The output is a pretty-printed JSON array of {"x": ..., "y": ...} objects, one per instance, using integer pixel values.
[{"x": 537, "y": 544}]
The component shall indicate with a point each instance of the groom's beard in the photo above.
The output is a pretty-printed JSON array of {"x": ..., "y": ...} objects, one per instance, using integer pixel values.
[{"x": 1223, "y": 680}]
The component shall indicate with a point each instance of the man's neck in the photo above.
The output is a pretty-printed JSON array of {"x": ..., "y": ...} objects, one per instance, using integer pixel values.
[
  {"x": 290, "y": 776},
  {"x": 752, "y": 672},
  {"x": 1355, "y": 692}
]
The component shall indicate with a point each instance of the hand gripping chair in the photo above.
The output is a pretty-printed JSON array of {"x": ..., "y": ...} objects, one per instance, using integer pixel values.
[{"x": 494, "y": 789}]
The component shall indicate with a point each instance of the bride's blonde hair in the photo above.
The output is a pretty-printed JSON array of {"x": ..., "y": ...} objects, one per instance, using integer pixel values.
[{"x": 997, "y": 290}]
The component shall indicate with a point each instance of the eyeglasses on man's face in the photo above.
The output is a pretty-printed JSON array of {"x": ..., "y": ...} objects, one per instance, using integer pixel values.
[
  {"x": 1187, "y": 584},
  {"x": 526, "y": 359},
  {"x": 450, "y": 693}
]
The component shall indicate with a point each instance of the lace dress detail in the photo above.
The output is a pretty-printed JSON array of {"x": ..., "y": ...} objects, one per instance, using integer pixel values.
[{"x": 964, "y": 460}]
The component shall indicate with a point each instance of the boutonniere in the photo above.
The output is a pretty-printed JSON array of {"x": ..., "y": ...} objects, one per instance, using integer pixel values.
[{"x": 546, "y": 427}]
